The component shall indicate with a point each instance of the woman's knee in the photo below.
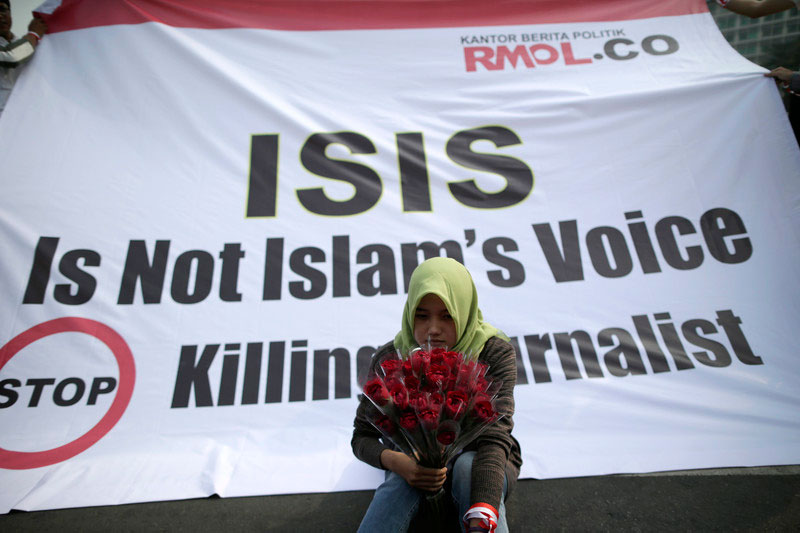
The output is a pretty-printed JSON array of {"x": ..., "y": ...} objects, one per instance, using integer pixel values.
[
  {"x": 463, "y": 464},
  {"x": 462, "y": 472}
]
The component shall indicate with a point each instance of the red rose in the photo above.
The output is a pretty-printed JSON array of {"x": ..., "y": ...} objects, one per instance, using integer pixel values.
[
  {"x": 482, "y": 385},
  {"x": 429, "y": 418},
  {"x": 448, "y": 432},
  {"x": 392, "y": 381},
  {"x": 464, "y": 387},
  {"x": 419, "y": 362},
  {"x": 408, "y": 419},
  {"x": 483, "y": 411},
  {"x": 407, "y": 369},
  {"x": 436, "y": 400},
  {"x": 451, "y": 359},
  {"x": 429, "y": 387},
  {"x": 385, "y": 424},
  {"x": 399, "y": 395},
  {"x": 377, "y": 392},
  {"x": 437, "y": 356},
  {"x": 411, "y": 382},
  {"x": 416, "y": 400},
  {"x": 445, "y": 436},
  {"x": 455, "y": 404},
  {"x": 466, "y": 375},
  {"x": 437, "y": 373},
  {"x": 390, "y": 366}
]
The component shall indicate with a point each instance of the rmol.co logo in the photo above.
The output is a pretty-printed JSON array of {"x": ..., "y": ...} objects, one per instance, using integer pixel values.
[{"x": 501, "y": 57}]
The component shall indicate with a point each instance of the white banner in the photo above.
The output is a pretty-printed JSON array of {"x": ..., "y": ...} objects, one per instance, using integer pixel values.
[{"x": 210, "y": 212}]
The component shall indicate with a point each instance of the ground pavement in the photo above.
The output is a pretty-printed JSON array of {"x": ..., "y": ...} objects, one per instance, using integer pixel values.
[{"x": 732, "y": 499}]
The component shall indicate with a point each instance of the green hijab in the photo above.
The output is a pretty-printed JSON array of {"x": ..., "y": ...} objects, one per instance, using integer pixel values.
[{"x": 449, "y": 280}]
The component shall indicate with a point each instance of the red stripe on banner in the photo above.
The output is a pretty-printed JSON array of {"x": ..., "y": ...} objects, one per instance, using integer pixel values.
[{"x": 315, "y": 15}]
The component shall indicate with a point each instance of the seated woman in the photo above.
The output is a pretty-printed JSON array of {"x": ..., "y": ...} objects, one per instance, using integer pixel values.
[{"x": 442, "y": 309}]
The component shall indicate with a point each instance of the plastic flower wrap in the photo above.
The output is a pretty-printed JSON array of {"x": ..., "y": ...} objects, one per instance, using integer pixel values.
[{"x": 431, "y": 403}]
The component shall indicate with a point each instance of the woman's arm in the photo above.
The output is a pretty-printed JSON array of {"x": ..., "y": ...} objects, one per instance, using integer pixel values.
[
  {"x": 365, "y": 441},
  {"x": 494, "y": 445}
]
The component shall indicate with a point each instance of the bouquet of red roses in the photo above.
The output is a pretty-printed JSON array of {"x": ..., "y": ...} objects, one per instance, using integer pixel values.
[{"x": 432, "y": 403}]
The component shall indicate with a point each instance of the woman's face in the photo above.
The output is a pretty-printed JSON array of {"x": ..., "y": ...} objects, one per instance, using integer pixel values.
[{"x": 432, "y": 321}]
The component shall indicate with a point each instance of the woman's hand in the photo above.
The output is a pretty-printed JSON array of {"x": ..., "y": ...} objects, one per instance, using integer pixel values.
[{"x": 419, "y": 477}]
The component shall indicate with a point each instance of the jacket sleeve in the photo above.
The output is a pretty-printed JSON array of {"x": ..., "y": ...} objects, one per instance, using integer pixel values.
[
  {"x": 494, "y": 446},
  {"x": 366, "y": 442}
]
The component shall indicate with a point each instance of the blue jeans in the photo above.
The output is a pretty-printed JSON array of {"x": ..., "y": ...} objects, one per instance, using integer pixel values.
[{"x": 395, "y": 502}]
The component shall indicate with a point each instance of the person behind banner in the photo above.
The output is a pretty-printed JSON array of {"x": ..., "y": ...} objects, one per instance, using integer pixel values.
[
  {"x": 14, "y": 53},
  {"x": 757, "y": 8},
  {"x": 442, "y": 309},
  {"x": 790, "y": 80},
  {"x": 761, "y": 8}
]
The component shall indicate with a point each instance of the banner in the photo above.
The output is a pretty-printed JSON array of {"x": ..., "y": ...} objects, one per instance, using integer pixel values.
[{"x": 210, "y": 213}]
